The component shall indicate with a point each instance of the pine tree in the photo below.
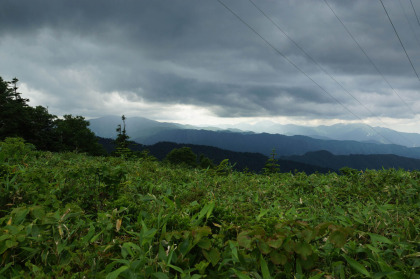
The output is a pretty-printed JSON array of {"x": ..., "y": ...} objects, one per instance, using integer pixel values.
[
  {"x": 122, "y": 141},
  {"x": 271, "y": 165}
]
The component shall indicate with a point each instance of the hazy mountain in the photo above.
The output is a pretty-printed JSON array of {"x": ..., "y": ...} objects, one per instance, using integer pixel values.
[
  {"x": 138, "y": 128},
  {"x": 357, "y": 132},
  {"x": 361, "y": 162},
  {"x": 284, "y": 145},
  {"x": 141, "y": 128}
]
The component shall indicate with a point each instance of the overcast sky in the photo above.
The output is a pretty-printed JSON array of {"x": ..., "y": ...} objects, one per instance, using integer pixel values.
[{"x": 195, "y": 62}]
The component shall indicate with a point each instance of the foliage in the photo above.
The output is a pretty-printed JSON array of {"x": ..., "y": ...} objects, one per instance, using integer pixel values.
[
  {"x": 74, "y": 135},
  {"x": 183, "y": 155},
  {"x": 42, "y": 129},
  {"x": 68, "y": 215},
  {"x": 121, "y": 142},
  {"x": 271, "y": 166},
  {"x": 205, "y": 162}
]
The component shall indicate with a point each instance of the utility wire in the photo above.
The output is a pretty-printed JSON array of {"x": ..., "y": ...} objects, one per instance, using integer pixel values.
[
  {"x": 319, "y": 66},
  {"x": 368, "y": 58},
  {"x": 418, "y": 21},
  {"x": 399, "y": 39},
  {"x": 408, "y": 21},
  {"x": 294, "y": 65}
]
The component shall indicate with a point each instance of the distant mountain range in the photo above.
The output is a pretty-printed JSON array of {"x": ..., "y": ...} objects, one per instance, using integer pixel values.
[
  {"x": 311, "y": 162},
  {"x": 142, "y": 129},
  {"x": 139, "y": 128},
  {"x": 283, "y": 145},
  {"x": 321, "y": 153},
  {"x": 357, "y": 132},
  {"x": 360, "y": 162}
]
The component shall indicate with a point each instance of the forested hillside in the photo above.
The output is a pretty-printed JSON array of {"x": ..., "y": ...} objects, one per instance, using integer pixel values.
[{"x": 284, "y": 145}]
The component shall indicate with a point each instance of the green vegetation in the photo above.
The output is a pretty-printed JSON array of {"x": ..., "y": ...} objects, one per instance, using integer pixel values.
[
  {"x": 45, "y": 131},
  {"x": 271, "y": 166},
  {"x": 70, "y": 215}
]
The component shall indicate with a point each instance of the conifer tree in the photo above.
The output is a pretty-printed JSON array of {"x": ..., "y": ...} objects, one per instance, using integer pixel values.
[
  {"x": 271, "y": 165},
  {"x": 122, "y": 141}
]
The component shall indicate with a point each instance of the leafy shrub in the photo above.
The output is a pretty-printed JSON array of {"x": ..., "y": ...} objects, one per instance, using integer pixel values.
[
  {"x": 183, "y": 155},
  {"x": 13, "y": 150}
]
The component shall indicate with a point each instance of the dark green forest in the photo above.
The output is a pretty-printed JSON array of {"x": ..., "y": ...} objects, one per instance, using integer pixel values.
[{"x": 37, "y": 126}]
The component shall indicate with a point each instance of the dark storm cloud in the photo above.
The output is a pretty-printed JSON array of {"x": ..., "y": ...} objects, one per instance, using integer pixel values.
[{"x": 198, "y": 53}]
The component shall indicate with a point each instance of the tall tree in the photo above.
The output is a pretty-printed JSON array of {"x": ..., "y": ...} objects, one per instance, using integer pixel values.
[
  {"x": 271, "y": 165},
  {"x": 14, "y": 110},
  {"x": 122, "y": 141},
  {"x": 74, "y": 135}
]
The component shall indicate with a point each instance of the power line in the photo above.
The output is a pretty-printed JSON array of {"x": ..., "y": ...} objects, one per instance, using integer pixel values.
[
  {"x": 418, "y": 21},
  {"x": 408, "y": 21},
  {"x": 317, "y": 64},
  {"x": 296, "y": 66},
  {"x": 368, "y": 58},
  {"x": 399, "y": 39}
]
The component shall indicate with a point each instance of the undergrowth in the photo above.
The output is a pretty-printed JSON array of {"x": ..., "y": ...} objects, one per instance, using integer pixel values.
[{"x": 69, "y": 215}]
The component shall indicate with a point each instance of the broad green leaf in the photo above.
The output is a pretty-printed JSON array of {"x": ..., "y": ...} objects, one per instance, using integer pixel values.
[
  {"x": 357, "y": 266},
  {"x": 38, "y": 212},
  {"x": 160, "y": 275},
  {"x": 244, "y": 240},
  {"x": 375, "y": 238},
  {"x": 275, "y": 243},
  {"x": 89, "y": 235},
  {"x": 389, "y": 274},
  {"x": 176, "y": 268},
  {"x": 264, "y": 268},
  {"x": 201, "y": 266},
  {"x": 93, "y": 239},
  {"x": 116, "y": 273},
  {"x": 212, "y": 256},
  {"x": 338, "y": 238},
  {"x": 11, "y": 243},
  {"x": 162, "y": 254},
  {"x": 19, "y": 214},
  {"x": 264, "y": 248},
  {"x": 319, "y": 275},
  {"x": 234, "y": 251},
  {"x": 262, "y": 213},
  {"x": 185, "y": 247},
  {"x": 240, "y": 274},
  {"x": 278, "y": 258},
  {"x": 210, "y": 209},
  {"x": 303, "y": 249},
  {"x": 4, "y": 237},
  {"x": 204, "y": 243}
]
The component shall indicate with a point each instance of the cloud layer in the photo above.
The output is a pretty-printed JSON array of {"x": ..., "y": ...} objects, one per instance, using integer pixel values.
[{"x": 150, "y": 58}]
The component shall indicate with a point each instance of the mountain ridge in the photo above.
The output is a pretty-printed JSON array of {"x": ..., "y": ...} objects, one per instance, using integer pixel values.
[
  {"x": 141, "y": 128},
  {"x": 284, "y": 145}
]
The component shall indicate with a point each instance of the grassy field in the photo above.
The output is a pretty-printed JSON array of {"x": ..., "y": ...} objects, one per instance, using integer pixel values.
[{"x": 69, "y": 215}]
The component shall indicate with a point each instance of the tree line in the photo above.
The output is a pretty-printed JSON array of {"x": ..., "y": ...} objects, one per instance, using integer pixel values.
[
  {"x": 47, "y": 132},
  {"x": 44, "y": 130}
]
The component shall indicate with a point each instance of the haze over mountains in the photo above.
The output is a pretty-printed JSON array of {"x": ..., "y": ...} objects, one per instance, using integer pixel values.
[
  {"x": 140, "y": 129},
  {"x": 322, "y": 150}
]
